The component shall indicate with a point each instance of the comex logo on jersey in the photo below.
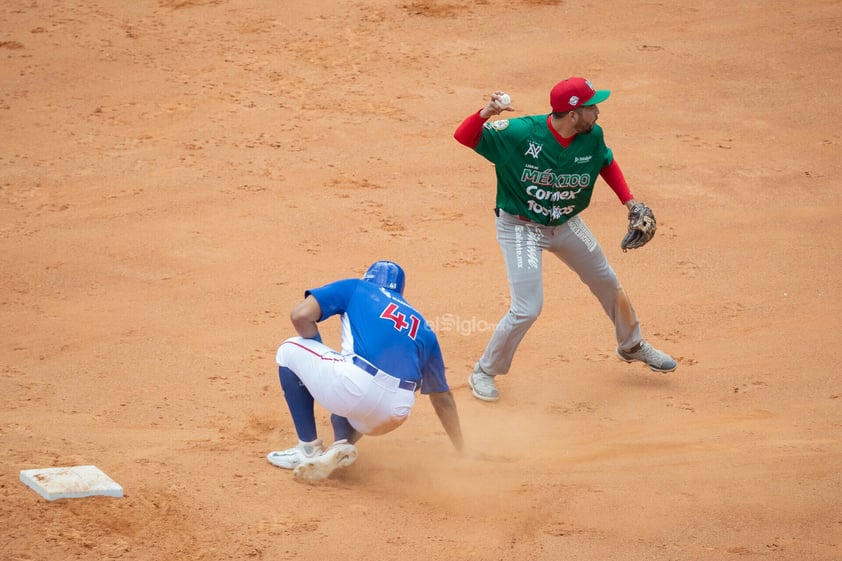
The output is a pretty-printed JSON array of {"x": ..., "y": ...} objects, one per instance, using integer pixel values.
[{"x": 582, "y": 159}]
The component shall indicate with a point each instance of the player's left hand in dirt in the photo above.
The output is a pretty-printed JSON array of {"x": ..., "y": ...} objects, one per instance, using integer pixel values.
[{"x": 642, "y": 227}]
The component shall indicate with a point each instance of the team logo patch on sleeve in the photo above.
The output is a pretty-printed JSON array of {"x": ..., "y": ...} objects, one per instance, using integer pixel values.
[{"x": 498, "y": 125}]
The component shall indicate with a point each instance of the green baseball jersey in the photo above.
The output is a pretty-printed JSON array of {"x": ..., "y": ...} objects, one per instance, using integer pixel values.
[{"x": 537, "y": 178}]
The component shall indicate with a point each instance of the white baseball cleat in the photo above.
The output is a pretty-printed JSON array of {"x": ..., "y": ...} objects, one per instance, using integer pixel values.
[
  {"x": 341, "y": 454},
  {"x": 291, "y": 458}
]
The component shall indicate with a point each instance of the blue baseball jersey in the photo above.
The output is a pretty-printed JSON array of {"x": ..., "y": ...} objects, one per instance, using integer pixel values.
[{"x": 381, "y": 327}]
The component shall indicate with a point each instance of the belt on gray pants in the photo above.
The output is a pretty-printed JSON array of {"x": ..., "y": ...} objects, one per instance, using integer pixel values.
[{"x": 371, "y": 369}]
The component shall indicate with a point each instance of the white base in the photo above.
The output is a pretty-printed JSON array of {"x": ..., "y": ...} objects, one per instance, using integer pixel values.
[{"x": 70, "y": 482}]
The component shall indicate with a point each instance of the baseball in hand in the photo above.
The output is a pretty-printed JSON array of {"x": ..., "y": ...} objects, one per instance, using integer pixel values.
[{"x": 505, "y": 99}]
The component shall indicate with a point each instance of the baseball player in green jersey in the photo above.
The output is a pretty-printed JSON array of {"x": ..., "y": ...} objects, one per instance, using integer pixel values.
[{"x": 546, "y": 168}]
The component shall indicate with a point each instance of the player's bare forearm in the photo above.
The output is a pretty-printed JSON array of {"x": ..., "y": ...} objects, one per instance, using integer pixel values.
[
  {"x": 304, "y": 317},
  {"x": 445, "y": 407}
]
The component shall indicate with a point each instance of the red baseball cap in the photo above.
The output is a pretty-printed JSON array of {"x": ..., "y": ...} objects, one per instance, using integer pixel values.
[{"x": 575, "y": 92}]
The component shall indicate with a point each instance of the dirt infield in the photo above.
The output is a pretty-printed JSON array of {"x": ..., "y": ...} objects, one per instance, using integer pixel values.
[{"x": 174, "y": 174}]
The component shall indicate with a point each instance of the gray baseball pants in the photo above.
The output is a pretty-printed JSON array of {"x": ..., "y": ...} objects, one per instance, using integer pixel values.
[{"x": 523, "y": 244}]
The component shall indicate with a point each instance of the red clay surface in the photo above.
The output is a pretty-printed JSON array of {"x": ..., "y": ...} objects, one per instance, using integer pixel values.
[{"x": 173, "y": 175}]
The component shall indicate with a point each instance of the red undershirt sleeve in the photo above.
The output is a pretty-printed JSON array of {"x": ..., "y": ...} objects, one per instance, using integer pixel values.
[
  {"x": 613, "y": 175},
  {"x": 470, "y": 131}
]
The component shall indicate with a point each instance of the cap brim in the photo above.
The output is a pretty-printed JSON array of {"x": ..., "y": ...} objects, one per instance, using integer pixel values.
[{"x": 598, "y": 97}]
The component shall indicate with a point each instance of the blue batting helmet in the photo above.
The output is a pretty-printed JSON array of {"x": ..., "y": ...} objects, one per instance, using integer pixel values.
[{"x": 387, "y": 274}]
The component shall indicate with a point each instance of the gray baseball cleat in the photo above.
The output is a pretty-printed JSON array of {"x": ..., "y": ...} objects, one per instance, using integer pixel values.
[
  {"x": 482, "y": 385},
  {"x": 341, "y": 454},
  {"x": 656, "y": 360}
]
